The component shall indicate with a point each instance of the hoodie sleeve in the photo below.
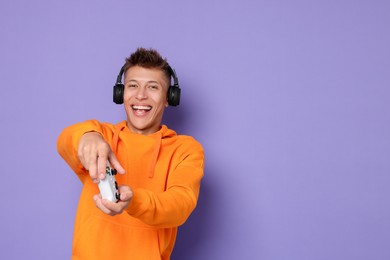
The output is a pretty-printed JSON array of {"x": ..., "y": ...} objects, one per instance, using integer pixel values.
[
  {"x": 172, "y": 207},
  {"x": 68, "y": 141}
]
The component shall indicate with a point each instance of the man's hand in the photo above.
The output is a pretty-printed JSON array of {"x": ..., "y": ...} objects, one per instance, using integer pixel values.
[
  {"x": 112, "y": 208},
  {"x": 94, "y": 152}
]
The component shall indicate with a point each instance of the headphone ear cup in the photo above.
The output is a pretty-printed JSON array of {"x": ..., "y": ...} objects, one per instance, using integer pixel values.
[
  {"x": 118, "y": 93},
  {"x": 174, "y": 96}
]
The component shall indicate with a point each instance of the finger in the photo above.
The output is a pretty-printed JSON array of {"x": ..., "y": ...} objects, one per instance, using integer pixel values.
[
  {"x": 84, "y": 151},
  {"x": 114, "y": 208},
  {"x": 126, "y": 194},
  {"x": 102, "y": 163},
  {"x": 126, "y": 197},
  {"x": 89, "y": 155},
  {"x": 84, "y": 154},
  {"x": 124, "y": 188},
  {"x": 100, "y": 205},
  {"x": 92, "y": 168},
  {"x": 81, "y": 158},
  {"x": 118, "y": 207},
  {"x": 115, "y": 163}
]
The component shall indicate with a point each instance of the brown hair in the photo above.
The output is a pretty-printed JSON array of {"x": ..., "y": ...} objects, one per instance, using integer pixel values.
[{"x": 147, "y": 58}]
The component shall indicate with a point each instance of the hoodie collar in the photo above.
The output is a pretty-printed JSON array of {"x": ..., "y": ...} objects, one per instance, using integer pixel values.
[{"x": 148, "y": 145}]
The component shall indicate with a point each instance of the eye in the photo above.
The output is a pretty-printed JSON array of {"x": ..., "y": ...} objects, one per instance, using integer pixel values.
[
  {"x": 154, "y": 87},
  {"x": 131, "y": 85}
]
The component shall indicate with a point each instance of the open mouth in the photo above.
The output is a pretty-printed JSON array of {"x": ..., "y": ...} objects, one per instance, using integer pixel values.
[
  {"x": 141, "y": 110},
  {"x": 145, "y": 108}
]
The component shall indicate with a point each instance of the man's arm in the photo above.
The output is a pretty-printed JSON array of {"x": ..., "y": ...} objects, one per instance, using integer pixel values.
[
  {"x": 93, "y": 153},
  {"x": 170, "y": 208},
  {"x": 85, "y": 150},
  {"x": 173, "y": 206}
]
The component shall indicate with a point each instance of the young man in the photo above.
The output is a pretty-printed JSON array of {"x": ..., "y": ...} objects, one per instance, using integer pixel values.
[{"x": 160, "y": 171}]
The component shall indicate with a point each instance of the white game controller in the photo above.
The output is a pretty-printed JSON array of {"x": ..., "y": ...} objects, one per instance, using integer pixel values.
[{"x": 109, "y": 187}]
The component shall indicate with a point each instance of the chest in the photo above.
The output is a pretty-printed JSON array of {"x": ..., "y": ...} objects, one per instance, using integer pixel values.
[{"x": 148, "y": 165}]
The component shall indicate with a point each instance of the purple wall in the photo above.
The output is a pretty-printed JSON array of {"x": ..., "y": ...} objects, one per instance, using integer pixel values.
[{"x": 289, "y": 98}]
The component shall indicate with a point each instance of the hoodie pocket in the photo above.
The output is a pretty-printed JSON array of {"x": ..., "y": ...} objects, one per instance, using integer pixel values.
[{"x": 103, "y": 239}]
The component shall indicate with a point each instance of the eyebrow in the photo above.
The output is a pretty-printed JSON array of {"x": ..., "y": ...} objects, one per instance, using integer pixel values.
[{"x": 150, "y": 81}]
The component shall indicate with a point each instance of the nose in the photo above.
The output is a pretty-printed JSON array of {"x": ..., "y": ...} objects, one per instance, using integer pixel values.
[{"x": 141, "y": 93}]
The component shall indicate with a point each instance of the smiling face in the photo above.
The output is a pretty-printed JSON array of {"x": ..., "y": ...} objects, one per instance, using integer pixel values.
[{"x": 145, "y": 98}]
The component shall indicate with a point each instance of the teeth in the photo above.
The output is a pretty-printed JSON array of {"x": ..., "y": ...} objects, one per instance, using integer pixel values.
[{"x": 142, "y": 107}]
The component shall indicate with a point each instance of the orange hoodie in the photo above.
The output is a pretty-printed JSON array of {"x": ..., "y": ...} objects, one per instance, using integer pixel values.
[{"x": 164, "y": 171}]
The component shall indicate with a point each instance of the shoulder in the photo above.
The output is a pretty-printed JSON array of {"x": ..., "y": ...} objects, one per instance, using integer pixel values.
[
  {"x": 187, "y": 140},
  {"x": 185, "y": 143},
  {"x": 108, "y": 128}
]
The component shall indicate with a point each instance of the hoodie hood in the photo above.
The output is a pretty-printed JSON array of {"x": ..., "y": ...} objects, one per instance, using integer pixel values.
[{"x": 142, "y": 150}]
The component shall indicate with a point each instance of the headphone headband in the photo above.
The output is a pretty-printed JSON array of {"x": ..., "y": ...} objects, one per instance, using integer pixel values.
[{"x": 119, "y": 78}]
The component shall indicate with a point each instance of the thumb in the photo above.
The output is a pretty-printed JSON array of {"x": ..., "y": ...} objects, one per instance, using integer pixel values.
[
  {"x": 115, "y": 163},
  {"x": 126, "y": 193}
]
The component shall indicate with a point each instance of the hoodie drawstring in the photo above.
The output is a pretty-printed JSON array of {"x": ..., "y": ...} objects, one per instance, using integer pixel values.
[
  {"x": 150, "y": 144},
  {"x": 156, "y": 152},
  {"x": 115, "y": 139}
]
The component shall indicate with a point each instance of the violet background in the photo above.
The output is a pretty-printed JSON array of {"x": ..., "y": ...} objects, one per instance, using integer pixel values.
[{"x": 290, "y": 100}]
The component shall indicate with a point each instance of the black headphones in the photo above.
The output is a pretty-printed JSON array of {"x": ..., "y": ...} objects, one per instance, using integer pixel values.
[{"x": 173, "y": 94}]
